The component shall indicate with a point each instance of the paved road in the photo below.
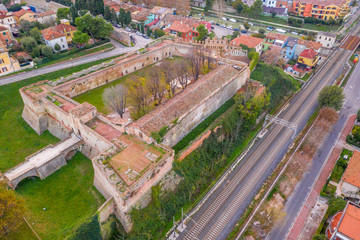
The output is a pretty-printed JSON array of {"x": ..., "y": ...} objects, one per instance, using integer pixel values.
[
  {"x": 302, "y": 190},
  {"x": 216, "y": 218},
  {"x": 119, "y": 49}
]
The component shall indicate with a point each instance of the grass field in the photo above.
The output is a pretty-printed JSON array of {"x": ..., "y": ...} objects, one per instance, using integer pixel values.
[
  {"x": 68, "y": 196},
  {"x": 17, "y": 139}
]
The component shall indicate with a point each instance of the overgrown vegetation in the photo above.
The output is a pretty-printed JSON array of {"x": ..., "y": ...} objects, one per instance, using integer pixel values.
[
  {"x": 341, "y": 165},
  {"x": 203, "y": 126},
  {"x": 199, "y": 168},
  {"x": 278, "y": 83},
  {"x": 88, "y": 230}
]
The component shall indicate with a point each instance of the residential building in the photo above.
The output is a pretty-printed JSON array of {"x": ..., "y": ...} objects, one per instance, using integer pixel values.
[
  {"x": 277, "y": 10},
  {"x": 5, "y": 36},
  {"x": 288, "y": 51},
  {"x": 308, "y": 57},
  {"x": 67, "y": 29},
  {"x": 282, "y": 4},
  {"x": 142, "y": 15},
  {"x": 269, "y": 3},
  {"x": 321, "y": 9},
  {"x": 3, "y": 8},
  {"x": 7, "y": 64},
  {"x": 161, "y": 12},
  {"x": 7, "y": 19},
  {"x": 249, "y": 41},
  {"x": 350, "y": 182},
  {"x": 326, "y": 39},
  {"x": 273, "y": 38},
  {"x": 305, "y": 44},
  {"x": 46, "y": 17},
  {"x": 24, "y": 14},
  {"x": 182, "y": 30},
  {"x": 345, "y": 225},
  {"x": 199, "y": 3},
  {"x": 52, "y": 38}
]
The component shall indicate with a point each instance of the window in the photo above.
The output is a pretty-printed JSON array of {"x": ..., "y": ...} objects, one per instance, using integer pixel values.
[
  {"x": 4, "y": 69},
  {"x": 319, "y": 37},
  {"x": 4, "y": 33},
  {"x": 63, "y": 46},
  {"x": 1, "y": 61},
  {"x": 62, "y": 40}
]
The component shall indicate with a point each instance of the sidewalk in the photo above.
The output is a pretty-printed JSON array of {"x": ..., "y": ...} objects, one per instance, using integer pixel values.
[{"x": 329, "y": 165}]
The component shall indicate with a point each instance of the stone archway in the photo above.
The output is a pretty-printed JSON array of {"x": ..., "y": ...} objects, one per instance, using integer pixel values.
[{"x": 70, "y": 155}]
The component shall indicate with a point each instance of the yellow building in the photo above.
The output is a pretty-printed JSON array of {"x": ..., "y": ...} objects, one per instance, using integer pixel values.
[
  {"x": 24, "y": 15},
  {"x": 324, "y": 10},
  {"x": 67, "y": 29},
  {"x": 8, "y": 64},
  {"x": 309, "y": 57}
]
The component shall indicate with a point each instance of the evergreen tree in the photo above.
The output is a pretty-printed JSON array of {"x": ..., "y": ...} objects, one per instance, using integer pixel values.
[
  {"x": 142, "y": 28},
  {"x": 128, "y": 18},
  {"x": 107, "y": 13},
  {"x": 74, "y": 13},
  {"x": 113, "y": 16},
  {"x": 122, "y": 16},
  {"x": 99, "y": 6}
]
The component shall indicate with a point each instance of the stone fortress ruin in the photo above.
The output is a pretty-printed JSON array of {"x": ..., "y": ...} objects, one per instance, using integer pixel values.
[{"x": 127, "y": 161}]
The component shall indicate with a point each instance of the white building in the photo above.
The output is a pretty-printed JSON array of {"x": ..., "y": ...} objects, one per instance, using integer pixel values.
[
  {"x": 350, "y": 181},
  {"x": 269, "y": 3},
  {"x": 46, "y": 17},
  {"x": 52, "y": 38},
  {"x": 326, "y": 39},
  {"x": 6, "y": 19}
]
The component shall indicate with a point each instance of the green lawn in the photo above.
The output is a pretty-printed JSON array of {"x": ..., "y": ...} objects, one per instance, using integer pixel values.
[
  {"x": 340, "y": 166},
  {"x": 17, "y": 139},
  {"x": 68, "y": 196},
  {"x": 68, "y": 55}
]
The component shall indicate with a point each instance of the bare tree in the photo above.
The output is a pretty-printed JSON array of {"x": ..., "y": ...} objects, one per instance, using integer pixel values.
[
  {"x": 155, "y": 85},
  {"x": 168, "y": 70},
  {"x": 138, "y": 94},
  {"x": 196, "y": 60},
  {"x": 115, "y": 98},
  {"x": 183, "y": 73}
]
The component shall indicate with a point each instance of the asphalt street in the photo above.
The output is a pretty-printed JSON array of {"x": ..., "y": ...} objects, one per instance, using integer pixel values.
[
  {"x": 303, "y": 189},
  {"x": 119, "y": 49},
  {"x": 216, "y": 218}
]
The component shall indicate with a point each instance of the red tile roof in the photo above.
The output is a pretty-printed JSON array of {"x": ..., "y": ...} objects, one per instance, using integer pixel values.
[
  {"x": 179, "y": 26},
  {"x": 310, "y": 44},
  {"x": 246, "y": 40},
  {"x": 50, "y": 34},
  {"x": 309, "y": 53},
  {"x": 350, "y": 223},
  {"x": 63, "y": 28},
  {"x": 44, "y": 14},
  {"x": 352, "y": 172},
  {"x": 22, "y": 12},
  {"x": 277, "y": 36},
  {"x": 3, "y": 28},
  {"x": 4, "y": 14}
]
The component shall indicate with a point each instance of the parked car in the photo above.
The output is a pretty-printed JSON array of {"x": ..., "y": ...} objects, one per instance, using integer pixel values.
[
  {"x": 236, "y": 29},
  {"x": 295, "y": 33},
  {"x": 138, "y": 33},
  {"x": 128, "y": 29},
  {"x": 250, "y": 23},
  {"x": 224, "y": 18},
  {"x": 229, "y": 27},
  {"x": 270, "y": 28},
  {"x": 232, "y": 20},
  {"x": 280, "y": 30},
  {"x": 243, "y": 31},
  {"x": 145, "y": 36},
  {"x": 212, "y": 27},
  {"x": 117, "y": 25},
  {"x": 223, "y": 26},
  {"x": 217, "y": 24}
]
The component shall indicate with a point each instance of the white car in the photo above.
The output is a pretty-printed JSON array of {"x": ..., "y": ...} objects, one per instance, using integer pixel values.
[
  {"x": 251, "y": 24},
  {"x": 229, "y": 27},
  {"x": 295, "y": 33},
  {"x": 232, "y": 20},
  {"x": 223, "y": 26},
  {"x": 280, "y": 30},
  {"x": 224, "y": 18}
]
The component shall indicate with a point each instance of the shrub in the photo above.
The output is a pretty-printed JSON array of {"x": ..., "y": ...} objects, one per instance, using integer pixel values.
[
  {"x": 88, "y": 230},
  {"x": 331, "y": 96}
]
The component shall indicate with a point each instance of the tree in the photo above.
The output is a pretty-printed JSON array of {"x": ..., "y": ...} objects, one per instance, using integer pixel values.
[
  {"x": 36, "y": 34},
  {"x": 11, "y": 210},
  {"x": 73, "y": 13},
  {"x": 158, "y": 33},
  {"x": 107, "y": 13},
  {"x": 156, "y": 85},
  {"x": 234, "y": 35},
  {"x": 168, "y": 70},
  {"x": 96, "y": 27},
  {"x": 57, "y": 47},
  {"x": 331, "y": 96},
  {"x": 115, "y": 98},
  {"x": 148, "y": 31},
  {"x": 208, "y": 5},
  {"x": 256, "y": 8},
  {"x": 358, "y": 115},
  {"x": 247, "y": 25},
  {"x": 183, "y": 73},
  {"x": 113, "y": 16},
  {"x": 262, "y": 31},
  {"x": 127, "y": 19},
  {"x": 80, "y": 38},
  {"x": 138, "y": 95},
  {"x": 142, "y": 29},
  {"x": 203, "y": 32},
  {"x": 46, "y": 51},
  {"x": 63, "y": 13},
  {"x": 319, "y": 237},
  {"x": 273, "y": 14},
  {"x": 122, "y": 16},
  {"x": 29, "y": 43},
  {"x": 35, "y": 52},
  {"x": 196, "y": 61}
]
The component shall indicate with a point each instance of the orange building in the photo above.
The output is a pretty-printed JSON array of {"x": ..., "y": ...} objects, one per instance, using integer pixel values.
[{"x": 320, "y": 9}]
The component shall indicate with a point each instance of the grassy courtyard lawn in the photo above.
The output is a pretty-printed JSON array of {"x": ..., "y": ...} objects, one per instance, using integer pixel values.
[
  {"x": 340, "y": 166},
  {"x": 17, "y": 139},
  {"x": 68, "y": 196}
]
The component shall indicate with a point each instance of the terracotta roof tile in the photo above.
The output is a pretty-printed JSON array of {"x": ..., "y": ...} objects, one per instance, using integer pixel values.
[
  {"x": 350, "y": 224},
  {"x": 277, "y": 36},
  {"x": 50, "y": 34},
  {"x": 44, "y": 14},
  {"x": 352, "y": 172},
  {"x": 60, "y": 28},
  {"x": 310, "y": 44},
  {"x": 249, "y": 41},
  {"x": 309, "y": 53},
  {"x": 179, "y": 26},
  {"x": 22, "y": 12}
]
